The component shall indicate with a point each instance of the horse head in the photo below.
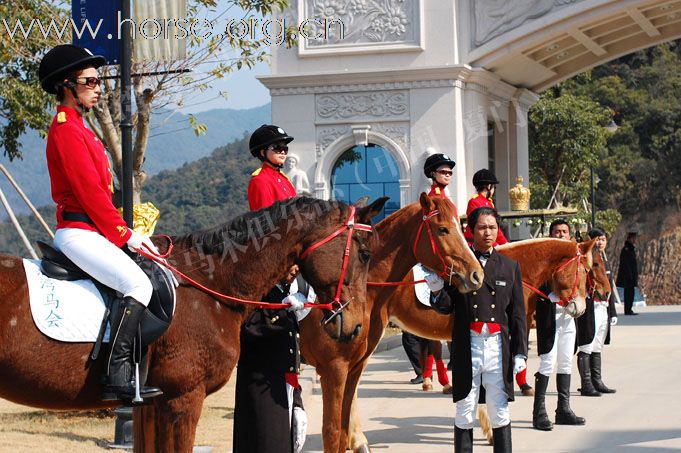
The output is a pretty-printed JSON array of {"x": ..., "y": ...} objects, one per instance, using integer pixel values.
[
  {"x": 440, "y": 245},
  {"x": 599, "y": 283},
  {"x": 569, "y": 280},
  {"x": 339, "y": 275}
]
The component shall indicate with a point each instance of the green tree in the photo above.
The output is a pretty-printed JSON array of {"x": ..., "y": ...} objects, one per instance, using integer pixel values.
[
  {"x": 23, "y": 105},
  {"x": 566, "y": 135}
]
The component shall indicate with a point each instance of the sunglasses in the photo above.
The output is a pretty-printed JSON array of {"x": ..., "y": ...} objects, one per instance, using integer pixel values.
[
  {"x": 90, "y": 82},
  {"x": 445, "y": 172},
  {"x": 278, "y": 148}
]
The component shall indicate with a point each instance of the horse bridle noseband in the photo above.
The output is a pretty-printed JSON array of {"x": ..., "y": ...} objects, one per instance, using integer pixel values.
[{"x": 350, "y": 226}]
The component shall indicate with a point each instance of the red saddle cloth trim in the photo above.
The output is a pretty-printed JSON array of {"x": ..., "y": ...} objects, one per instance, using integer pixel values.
[
  {"x": 292, "y": 380},
  {"x": 492, "y": 326}
]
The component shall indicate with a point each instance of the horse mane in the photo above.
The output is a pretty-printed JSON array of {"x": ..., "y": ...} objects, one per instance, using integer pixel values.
[
  {"x": 240, "y": 229},
  {"x": 553, "y": 242}
]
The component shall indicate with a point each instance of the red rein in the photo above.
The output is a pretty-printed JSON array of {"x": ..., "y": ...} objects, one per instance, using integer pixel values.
[{"x": 350, "y": 225}]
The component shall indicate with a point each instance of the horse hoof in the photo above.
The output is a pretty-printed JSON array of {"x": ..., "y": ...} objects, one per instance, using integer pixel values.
[{"x": 364, "y": 448}]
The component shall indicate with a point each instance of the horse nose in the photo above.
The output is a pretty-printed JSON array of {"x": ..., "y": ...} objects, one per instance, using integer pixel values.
[{"x": 476, "y": 278}]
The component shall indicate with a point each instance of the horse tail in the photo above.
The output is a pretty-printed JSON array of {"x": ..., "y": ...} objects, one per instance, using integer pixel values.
[{"x": 485, "y": 423}]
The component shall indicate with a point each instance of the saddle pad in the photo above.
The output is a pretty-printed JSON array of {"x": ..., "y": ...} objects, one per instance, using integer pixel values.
[
  {"x": 62, "y": 310},
  {"x": 421, "y": 289}
]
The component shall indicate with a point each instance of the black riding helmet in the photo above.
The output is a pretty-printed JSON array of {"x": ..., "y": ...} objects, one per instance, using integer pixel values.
[
  {"x": 63, "y": 59},
  {"x": 266, "y": 135},
  {"x": 484, "y": 177},
  {"x": 435, "y": 161}
]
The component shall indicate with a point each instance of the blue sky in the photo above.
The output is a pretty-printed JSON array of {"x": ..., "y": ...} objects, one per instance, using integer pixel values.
[{"x": 244, "y": 91}]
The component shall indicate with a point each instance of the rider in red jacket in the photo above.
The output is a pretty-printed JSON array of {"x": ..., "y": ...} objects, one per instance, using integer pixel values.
[
  {"x": 485, "y": 183},
  {"x": 90, "y": 231}
]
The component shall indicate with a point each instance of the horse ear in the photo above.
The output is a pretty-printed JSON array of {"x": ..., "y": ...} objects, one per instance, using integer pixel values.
[
  {"x": 365, "y": 214},
  {"x": 362, "y": 202},
  {"x": 426, "y": 202},
  {"x": 585, "y": 248}
]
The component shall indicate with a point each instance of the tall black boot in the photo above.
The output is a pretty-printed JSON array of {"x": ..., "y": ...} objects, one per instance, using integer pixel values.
[
  {"x": 596, "y": 374},
  {"x": 463, "y": 440},
  {"x": 502, "y": 439},
  {"x": 564, "y": 414},
  {"x": 120, "y": 382},
  {"x": 540, "y": 419},
  {"x": 584, "y": 366}
]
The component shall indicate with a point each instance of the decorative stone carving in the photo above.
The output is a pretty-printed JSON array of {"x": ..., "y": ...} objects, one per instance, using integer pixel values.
[
  {"x": 385, "y": 104},
  {"x": 327, "y": 135},
  {"x": 492, "y": 18},
  {"x": 364, "y": 21},
  {"x": 297, "y": 176},
  {"x": 397, "y": 132}
]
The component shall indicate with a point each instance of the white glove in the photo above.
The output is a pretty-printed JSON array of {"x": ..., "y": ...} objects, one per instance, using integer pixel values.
[
  {"x": 138, "y": 241},
  {"x": 299, "y": 428},
  {"x": 296, "y": 301},
  {"x": 434, "y": 282},
  {"x": 519, "y": 364},
  {"x": 613, "y": 321}
]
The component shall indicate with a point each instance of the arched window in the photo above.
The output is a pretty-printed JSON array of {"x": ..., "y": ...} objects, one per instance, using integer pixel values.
[{"x": 367, "y": 171}]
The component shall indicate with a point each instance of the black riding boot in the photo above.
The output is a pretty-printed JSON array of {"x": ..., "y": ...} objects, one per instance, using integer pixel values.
[
  {"x": 596, "y": 374},
  {"x": 502, "y": 439},
  {"x": 564, "y": 414},
  {"x": 120, "y": 383},
  {"x": 584, "y": 366},
  {"x": 463, "y": 440},
  {"x": 540, "y": 419}
]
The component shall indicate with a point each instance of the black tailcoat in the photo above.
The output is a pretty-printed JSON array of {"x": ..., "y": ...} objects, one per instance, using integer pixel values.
[{"x": 499, "y": 300}]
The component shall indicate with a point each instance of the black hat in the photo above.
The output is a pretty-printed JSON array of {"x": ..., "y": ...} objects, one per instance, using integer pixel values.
[
  {"x": 266, "y": 135},
  {"x": 484, "y": 177},
  {"x": 61, "y": 60},
  {"x": 596, "y": 232},
  {"x": 435, "y": 161}
]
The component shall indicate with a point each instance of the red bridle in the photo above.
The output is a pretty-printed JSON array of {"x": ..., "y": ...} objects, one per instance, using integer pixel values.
[
  {"x": 350, "y": 225},
  {"x": 433, "y": 246},
  {"x": 566, "y": 302}
]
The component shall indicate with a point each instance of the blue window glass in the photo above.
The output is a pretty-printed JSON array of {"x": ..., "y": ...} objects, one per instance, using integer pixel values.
[{"x": 367, "y": 171}]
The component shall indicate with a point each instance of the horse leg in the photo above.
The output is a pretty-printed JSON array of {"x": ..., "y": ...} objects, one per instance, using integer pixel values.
[
  {"x": 333, "y": 386},
  {"x": 357, "y": 441},
  {"x": 170, "y": 425}
]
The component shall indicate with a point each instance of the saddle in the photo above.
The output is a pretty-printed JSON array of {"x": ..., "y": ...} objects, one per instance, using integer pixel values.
[{"x": 155, "y": 320}]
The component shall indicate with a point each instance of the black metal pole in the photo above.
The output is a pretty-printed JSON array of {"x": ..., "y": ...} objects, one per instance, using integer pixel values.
[
  {"x": 126, "y": 113},
  {"x": 593, "y": 200}
]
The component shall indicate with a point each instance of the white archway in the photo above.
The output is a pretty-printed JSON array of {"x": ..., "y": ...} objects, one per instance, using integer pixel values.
[{"x": 360, "y": 136}]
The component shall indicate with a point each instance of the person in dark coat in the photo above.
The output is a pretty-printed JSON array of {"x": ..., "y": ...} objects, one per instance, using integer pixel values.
[
  {"x": 556, "y": 333},
  {"x": 489, "y": 335},
  {"x": 593, "y": 328},
  {"x": 412, "y": 347},
  {"x": 627, "y": 274}
]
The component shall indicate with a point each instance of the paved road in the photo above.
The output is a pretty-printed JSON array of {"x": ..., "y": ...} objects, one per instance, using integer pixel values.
[{"x": 643, "y": 363}]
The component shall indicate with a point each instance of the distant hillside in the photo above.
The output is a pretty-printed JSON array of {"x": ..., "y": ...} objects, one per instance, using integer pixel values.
[
  {"x": 198, "y": 195},
  {"x": 172, "y": 144}
]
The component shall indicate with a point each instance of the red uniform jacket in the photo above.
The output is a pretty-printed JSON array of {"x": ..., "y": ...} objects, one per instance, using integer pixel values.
[
  {"x": 81, "y": 178},
  {"x": 474, "y": 203},
  {"x": 437, "y": 191},
  {"x": 268, "y": 185}
]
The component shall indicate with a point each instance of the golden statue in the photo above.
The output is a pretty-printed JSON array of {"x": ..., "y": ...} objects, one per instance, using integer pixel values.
[{"x": 519, "y": 196}]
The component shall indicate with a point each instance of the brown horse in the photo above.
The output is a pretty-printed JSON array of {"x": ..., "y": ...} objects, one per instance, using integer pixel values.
[
  {"x": 539, "y": 261},
  {"x": 196, "y": 356},
  {"x": 405, "y": 240}
]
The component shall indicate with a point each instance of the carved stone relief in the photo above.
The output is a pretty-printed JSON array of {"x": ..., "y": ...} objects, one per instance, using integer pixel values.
[
  {"x": 345, "y": 106},
  {"x": 327, "y": 135},
  {"x": 363, "y": 21},
  {"x": 397, "y": 132},
  {"x": 492, "y": 18}
]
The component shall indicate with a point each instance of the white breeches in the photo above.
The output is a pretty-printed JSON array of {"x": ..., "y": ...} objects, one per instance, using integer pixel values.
[
  {"x": 487, "y": 363},
  {"x": 563, "y": 346},
  {"x": 601, "y": 321},
  {"x": 104, "y": 262}
]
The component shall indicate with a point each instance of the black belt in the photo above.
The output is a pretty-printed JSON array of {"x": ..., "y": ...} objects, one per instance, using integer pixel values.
[{"x": 77, "y": 217}]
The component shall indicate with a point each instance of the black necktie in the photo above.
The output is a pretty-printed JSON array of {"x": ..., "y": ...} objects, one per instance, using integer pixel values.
[{"x": 479, "y": 254}]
